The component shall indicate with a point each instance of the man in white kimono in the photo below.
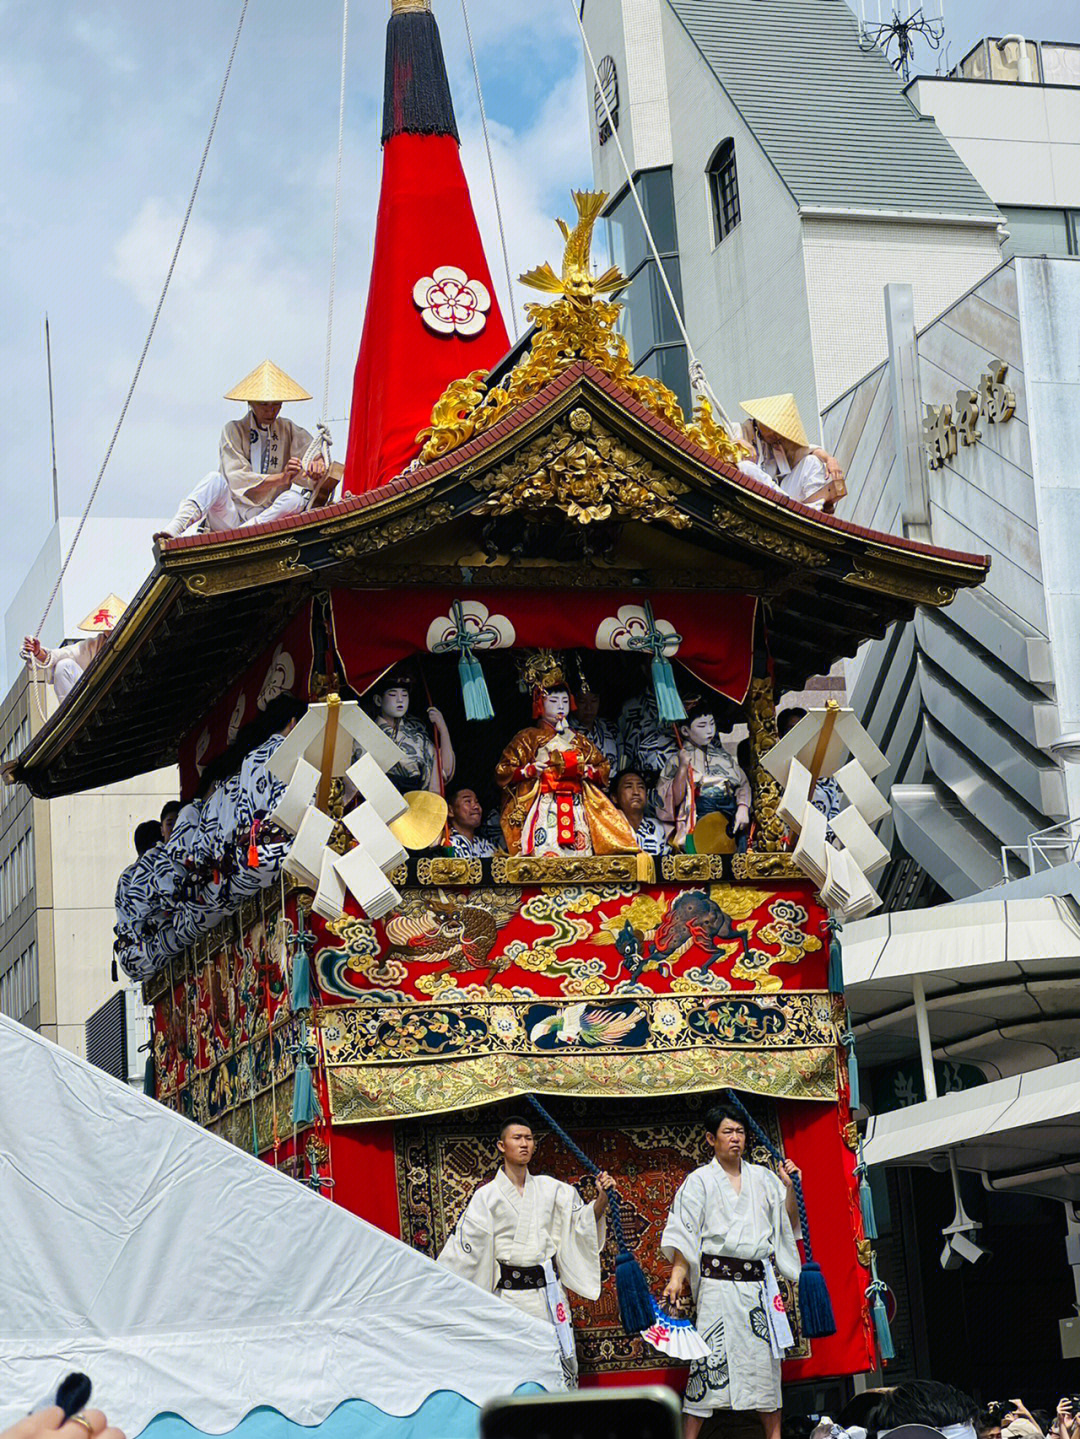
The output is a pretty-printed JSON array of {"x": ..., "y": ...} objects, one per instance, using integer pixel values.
[
  {"x": 261, "y": 473},
  {"x": 730, "y": 1220},
  {"x": 522, "y": 1236}
]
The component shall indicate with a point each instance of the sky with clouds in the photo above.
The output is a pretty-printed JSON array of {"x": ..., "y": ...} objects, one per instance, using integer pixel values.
[{"x": 104, "y": 109}]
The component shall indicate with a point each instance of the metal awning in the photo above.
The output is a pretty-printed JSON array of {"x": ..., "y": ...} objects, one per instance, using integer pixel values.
[{"x": 1021, "y": 1133}]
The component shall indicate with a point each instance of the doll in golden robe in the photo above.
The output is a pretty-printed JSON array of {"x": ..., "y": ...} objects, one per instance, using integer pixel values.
[{"x": 552, "y": 779}]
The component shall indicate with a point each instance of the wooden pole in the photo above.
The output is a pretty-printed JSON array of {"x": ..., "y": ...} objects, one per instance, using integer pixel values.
[{"x": 326, "y": 774}]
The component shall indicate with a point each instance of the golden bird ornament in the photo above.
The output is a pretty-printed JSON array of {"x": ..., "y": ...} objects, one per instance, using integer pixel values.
[{"x": 577, "y": 281}]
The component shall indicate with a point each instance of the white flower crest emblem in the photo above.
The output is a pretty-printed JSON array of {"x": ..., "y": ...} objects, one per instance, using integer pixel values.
[{"x": 450, "y": 302}]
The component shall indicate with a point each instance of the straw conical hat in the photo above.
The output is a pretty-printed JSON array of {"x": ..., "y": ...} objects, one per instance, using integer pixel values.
[
  {"x": 779, "y": 413},
  {"x": 265, "y": 384},
  {"x": 102, "y": 620}
]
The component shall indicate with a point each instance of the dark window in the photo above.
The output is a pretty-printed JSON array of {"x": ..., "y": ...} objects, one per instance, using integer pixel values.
[{"x": 723, "y": 190}]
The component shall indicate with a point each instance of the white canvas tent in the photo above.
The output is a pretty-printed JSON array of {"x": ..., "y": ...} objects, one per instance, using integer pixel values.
[{"x": 189, "y": 1279}]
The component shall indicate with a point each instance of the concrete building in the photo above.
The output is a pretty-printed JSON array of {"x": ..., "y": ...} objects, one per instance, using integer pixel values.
[
  {"x": 787, "y": 178},
  {"x": 59, "y": 860}
]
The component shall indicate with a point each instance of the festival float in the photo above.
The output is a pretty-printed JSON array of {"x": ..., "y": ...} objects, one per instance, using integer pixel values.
[{"x": 336, "y": 990}]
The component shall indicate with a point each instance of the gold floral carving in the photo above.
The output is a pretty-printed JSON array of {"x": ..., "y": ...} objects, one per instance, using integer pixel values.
[
  {"x": 692, "y": 868},
  {"x": 401, "y": 527},
  {"x": 850, "y": 1133},
  {"x": 449, "y": 869},
  {"x": 764, "y": 864},
  {"x": 762, "y": 537},
  {"x": 770, "y": 831},
  {"x": 588, "y": 475},
  {"x": 864, "y": 1252},
  {"x": 557, "y": 869},
  {"x": 579, "y": 325}
]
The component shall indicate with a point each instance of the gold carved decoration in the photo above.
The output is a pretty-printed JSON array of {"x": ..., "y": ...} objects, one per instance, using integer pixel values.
[
  {"x": 586, "y": 473},
  {"x": 254, "y": 571},
  {"x": 770, "y": 832},
  {"x": 785, "y": 547},
  {"x": 557, "y": 869},
  {"x": 579, "y": 325},
  {"x": 765, "y": 864},
  {"x": 449, "y": 869},
  {"x": 401, "y": 527},
  {"x": 850, "y": 1133},
  {"x": 864, "y": 1252},
  {"x": 692, "y": 868}
]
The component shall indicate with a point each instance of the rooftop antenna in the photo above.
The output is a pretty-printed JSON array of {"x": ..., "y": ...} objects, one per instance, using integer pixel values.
[
  {"x": 901, "y": 25},
  {"x": 52, "y": 427}
]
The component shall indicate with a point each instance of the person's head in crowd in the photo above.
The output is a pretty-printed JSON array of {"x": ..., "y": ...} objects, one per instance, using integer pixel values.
[
  {"x": 147, "y": 835},
  {"x": 466, "y": 811},
  {"x": 788, "y": 719},
  {"x": 168, "y": 817},
  {"x": 279, "y": 717},
  {"x": 926, "y": 1401},
  {"x": 857, "y": 1411},
  {"x": 588, "y": 708},
  {"x": 631, "y": 794}
]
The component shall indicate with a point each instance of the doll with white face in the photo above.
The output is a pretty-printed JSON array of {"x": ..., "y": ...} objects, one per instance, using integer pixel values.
[
  {"x": 427, "y": 760},
  {"x": 701, "y": 778},
  {"x": 552, "y": 779}
]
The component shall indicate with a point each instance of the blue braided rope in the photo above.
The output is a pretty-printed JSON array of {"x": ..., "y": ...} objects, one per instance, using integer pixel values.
[
  {"x": 590, "y": 1168},
  {"x": 796, "y": 1180}
]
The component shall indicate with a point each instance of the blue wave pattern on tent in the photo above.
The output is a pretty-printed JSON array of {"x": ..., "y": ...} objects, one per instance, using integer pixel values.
[{"x": 448, "y": 1416}]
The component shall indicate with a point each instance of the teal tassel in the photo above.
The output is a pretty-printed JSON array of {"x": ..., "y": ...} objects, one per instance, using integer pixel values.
[
  {"x": 300, "y": 988},
  {"x": 815, "y": 1306},
  {"x": 669, "y": 705},
  {"x": 474, "y": 690},
  {"x": 305, "y": 1102},
  {"x": 886, "y": 1348},
  {"x": 149, "y": 1083},
  {"x": 853, "y": 1072},
  {"x": 866, "y": 1203},
  {"x": 836, "y": 966}
]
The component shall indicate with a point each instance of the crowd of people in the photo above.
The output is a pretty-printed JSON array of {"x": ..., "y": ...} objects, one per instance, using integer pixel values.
[{"x": 928, "y": 1407}]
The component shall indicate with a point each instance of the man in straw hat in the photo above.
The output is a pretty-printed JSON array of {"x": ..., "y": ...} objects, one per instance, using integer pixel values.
[
  {"x": 262, "y": 474},
  {"x": 781, "y": 454},
  {"x": 64, "y": 666}
]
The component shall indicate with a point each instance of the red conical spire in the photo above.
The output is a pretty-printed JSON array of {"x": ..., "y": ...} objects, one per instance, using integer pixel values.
[{"x": 432, "y": 315}]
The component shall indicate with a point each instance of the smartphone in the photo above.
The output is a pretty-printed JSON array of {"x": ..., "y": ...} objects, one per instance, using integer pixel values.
[{"x": 644, "y": 1411}]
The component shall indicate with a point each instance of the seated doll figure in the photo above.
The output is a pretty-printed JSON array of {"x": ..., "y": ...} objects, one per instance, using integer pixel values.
[
  {"x": 631, "y": 796},
  {"x": 701, "y": 778},
  {"x": 391, "y": 697},
  {"x": 466, "y": 821},
  {"x": 588, "y": 721},
  {"x": 552, "y": 779}
]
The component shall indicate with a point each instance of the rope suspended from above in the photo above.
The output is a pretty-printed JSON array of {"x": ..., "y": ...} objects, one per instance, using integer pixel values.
[{"x": 153, "y": 325}]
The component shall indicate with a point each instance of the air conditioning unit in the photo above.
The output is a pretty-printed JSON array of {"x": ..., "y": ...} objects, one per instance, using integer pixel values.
[{"x": 115, "y": 1034}]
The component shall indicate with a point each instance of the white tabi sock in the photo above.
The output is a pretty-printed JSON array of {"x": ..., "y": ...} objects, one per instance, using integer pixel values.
[{"x": 187, "y": 515}]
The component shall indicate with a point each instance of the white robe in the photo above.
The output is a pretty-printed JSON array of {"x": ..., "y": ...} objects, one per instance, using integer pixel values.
[
  {"x": 548, "y": 1219},
  {"x": 708, "y": 1217},
  {"x": 277, "y": 444}
]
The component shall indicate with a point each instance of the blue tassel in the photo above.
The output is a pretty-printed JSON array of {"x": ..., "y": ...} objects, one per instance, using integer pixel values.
[
  {"x": 635, "y": 1302},
  {"x": 474, "y": 690},
  {"x": 853, "y": 1072},
  {"x": 815, "y": 1306},
  {"x": 149, "y": 1082},
  {"x": 836, "y": 966},
  {"x": 300, "y": 986},
  {"x": 669, "y": 705},
  {"x": 305, "y": 1102},
  {"x": 866, "y": 1204},
  {"x": 886, "y": 1348}
]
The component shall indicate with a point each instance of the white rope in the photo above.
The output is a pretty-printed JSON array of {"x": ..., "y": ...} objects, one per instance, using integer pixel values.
[
  {"x": 491, "y": 168},
  {"x": 153, "y": 325},
  {"x": 698, "y": 379},
  {"x": 337, "y": 217}
]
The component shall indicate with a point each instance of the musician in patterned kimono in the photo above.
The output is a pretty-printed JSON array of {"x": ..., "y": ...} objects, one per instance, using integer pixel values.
[
  {"x": 523, "y": 1236},
  {"x": 553, "y": 778},
  {"x": 729, "y": 1221}
]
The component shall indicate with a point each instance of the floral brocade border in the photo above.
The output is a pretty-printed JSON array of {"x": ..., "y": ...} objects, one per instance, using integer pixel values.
[{"x": 363, "y": 1093}]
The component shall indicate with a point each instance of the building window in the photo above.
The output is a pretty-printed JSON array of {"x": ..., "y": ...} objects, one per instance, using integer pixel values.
[
  {"x": 1041, "y": 231},
  {"x": 723, "y": 190},
  {"x": 647, "y": 320}
]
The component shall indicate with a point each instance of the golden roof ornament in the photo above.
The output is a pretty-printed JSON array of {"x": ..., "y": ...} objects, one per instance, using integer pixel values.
[
  {"x": 540, "y": 670},
  {"x": 578, "y": 325}
]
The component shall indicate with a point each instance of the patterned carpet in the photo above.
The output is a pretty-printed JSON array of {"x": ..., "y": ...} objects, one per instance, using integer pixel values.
[{"x": 649, "y": 1146}]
